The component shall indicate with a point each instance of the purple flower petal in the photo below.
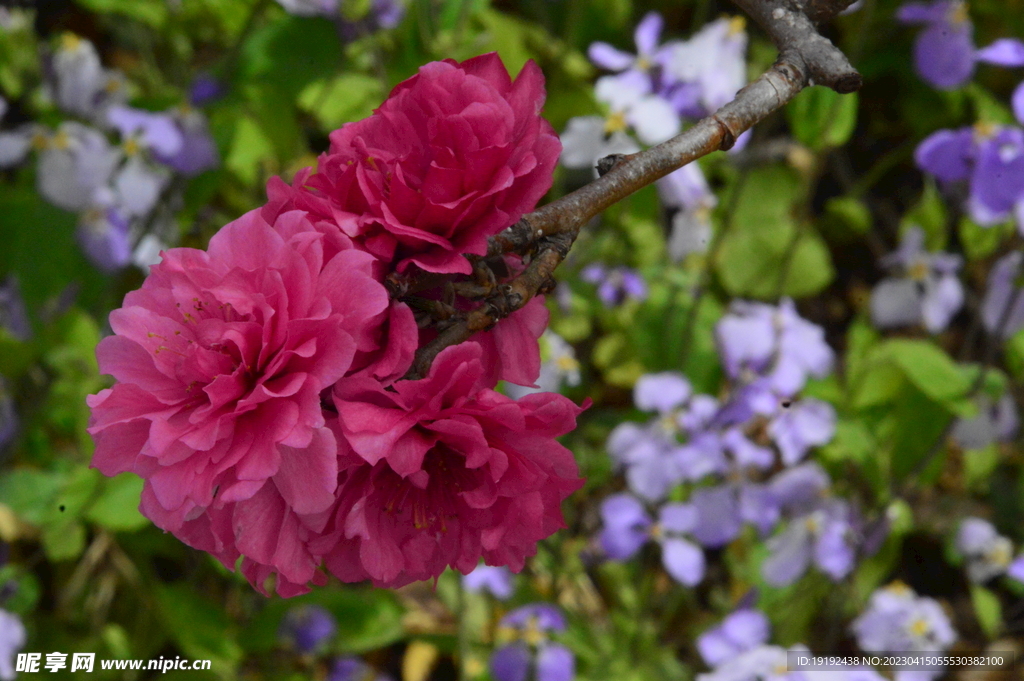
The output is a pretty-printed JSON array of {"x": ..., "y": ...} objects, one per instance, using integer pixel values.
[
  {"x": 997, "y": 183},
  {"x": 799, "y": 487},
  {"x": 626, "y": 526},
  {"x": 647, "y": 33},
  {"x": 718, "y": 513},
  {"x": 947, "y": 154},
  {"x": 1002, "y": 52},
  {"x": 307, "y": 626},
  {"x": 923, "y": 13},
  {"x": 944, "y": 54},
  {"x": 833, "y": 553},
  {"x": 661, "y": 392},
  {"x": 555, "y": 662},
  {"x": 974, "y": 535},
  {"x": 683, "y": 560},
  {"x": 896, "y": 303},
  {"x": 790, "y": 554},
  {"x": 610, "y": 58},
  {"x": 548, "y": 617},
  {"x": 759, "y": 506},
  {"x": 499, "y": 581},
  {"x": 677, "y": 518},
  {"x": 1016, "y": 568},
  {"x": 1018, "y": 103},
  {"x": 996, "y": 312},
  {"x": 158, "y": 131},
  {"x": 511, "y": 663}
]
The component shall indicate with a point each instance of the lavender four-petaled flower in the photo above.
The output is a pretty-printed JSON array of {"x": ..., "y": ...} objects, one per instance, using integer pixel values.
[
  {"x": 944, "y": 52},
  {"x": 627, "y": 527},
  {"x": 928, "y": 291},
  {"x": 756, "y": 339},
  {"x": 615, "y": 285},
  {"x": 532, "y": 654}
]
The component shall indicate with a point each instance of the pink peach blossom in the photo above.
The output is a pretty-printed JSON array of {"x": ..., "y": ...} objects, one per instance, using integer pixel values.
[{"x": 220, "y": 359}]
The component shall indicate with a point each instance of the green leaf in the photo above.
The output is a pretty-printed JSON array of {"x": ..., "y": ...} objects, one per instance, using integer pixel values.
[
  {"x": 29, "y": 226},
  {"x": 880, "y": 384},
  {"x": 117, "y": 508},
  {"x": 850, "y": 213},
  {"x": 288, "y": 55},
  {"x": 64, "y": 540},
  {"x": 980, "y": 242},
  {"x": 348, "y": 97},
  {"x": 151, "y": 12},
  {"x": 929, "y": 213},
  {"x": 988, "y": 610},
  {"x": 932, "y": 371},
  {"x": 765, "y": 253},
  {"x": 979, "y": 465},
  {"x": 200, "y": 628},
  {"x": 252, "y": 153},
  {"x": 1015, "y": 355},
  {"x": 822, "y": 118}
]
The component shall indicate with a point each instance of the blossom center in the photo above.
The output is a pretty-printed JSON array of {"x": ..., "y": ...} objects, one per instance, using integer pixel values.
[
  {"x": 430, "y": 496},
  {"x": 615, "y": 122}
]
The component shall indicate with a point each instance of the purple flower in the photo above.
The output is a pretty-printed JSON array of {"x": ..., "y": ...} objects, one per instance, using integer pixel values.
[
  {"x": 1002, "y": 310},
  {"x": 12, "y": 639},
  {"x": 204, "y": 89},
  {"x": 688, "y": 190},
  {"x": 103, "y": 234},
  {"x": 529, "y": 628},
  {"x": 710, "y": 68},
  {"x": 947, "y": 154},
  {"x": 307, "y": 627},
  {"x": 1016, "y": 568},
  {"x": 928, "y": 291},
  {"x": 588, "y": 139},
  {"x": 662, "y": 393},
  {"x": 805, "y": 424},
  {"x": 988, "y": 553},
  {"x": 627, "y": 527},
  {"x": 156, "y": 131},
  {"x": 646, "y": 66},
  {"x": 763, "y": 663},
  {"x": 994, "y": 423},
  {"x": 997, "y": 182},
  {"x": 354, "y": 669},
  {"x": 499, "y": 581},
  {"x": 74, "y": 164},
  {"x": 944, "y": 53},
  {"x": 382, "y": 14},
  {"x": 648, "y": 454},
  {"x": 774, "y": 342},
  {"x": 718, "y": 519},
  {"x": 14, "y": 145},
  {"x": 13, "y": 317},
  {"x": 198, "y": 151},
  {"x": 310, "y": 8},
  {"x": 80, "y": 84},
  {"x": 615, "y": 285},
  {"x": 741, "y": 631},
  {"x": 822, "y": 536},
  {"x": 898, "y": 620}
]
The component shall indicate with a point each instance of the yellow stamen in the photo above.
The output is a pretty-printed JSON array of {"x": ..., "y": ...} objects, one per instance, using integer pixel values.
[
  {"x": 737, "y": 25},
  {"x": 69, "y": 42},
  {"x": 918, "y": 271},
  {"x": 615, "y": 122}
]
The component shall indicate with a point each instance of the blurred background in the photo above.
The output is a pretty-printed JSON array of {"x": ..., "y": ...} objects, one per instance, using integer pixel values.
[{"x": 805, "y": 354}]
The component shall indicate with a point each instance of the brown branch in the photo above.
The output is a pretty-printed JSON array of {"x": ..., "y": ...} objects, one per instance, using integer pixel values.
[{"x": 805, "y": 58}]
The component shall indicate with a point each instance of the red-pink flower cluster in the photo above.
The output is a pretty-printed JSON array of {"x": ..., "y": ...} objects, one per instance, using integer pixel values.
[{"x": 258, "y": 383}]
